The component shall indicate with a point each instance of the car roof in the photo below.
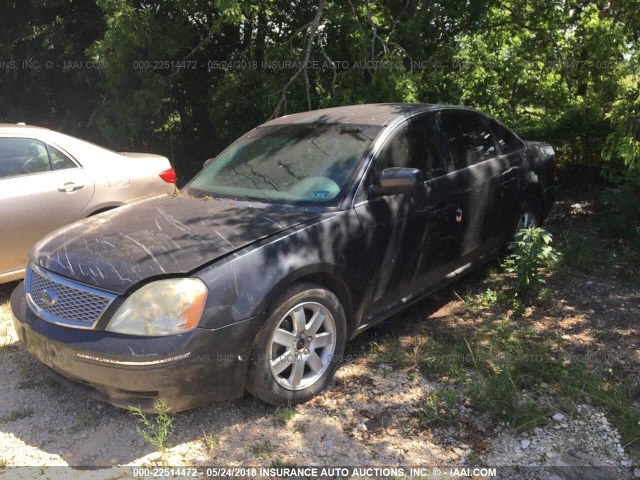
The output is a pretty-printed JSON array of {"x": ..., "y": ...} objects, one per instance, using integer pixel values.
[
  {"x": 21, "y": 129},
  {"x": 381, "y": 114}
]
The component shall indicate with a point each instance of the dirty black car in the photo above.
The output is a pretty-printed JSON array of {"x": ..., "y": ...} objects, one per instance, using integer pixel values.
[{"x": 300, "y": 235}]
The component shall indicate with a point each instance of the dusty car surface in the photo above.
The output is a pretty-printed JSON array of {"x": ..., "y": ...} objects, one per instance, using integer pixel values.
[
  {"x": 300, "y": 235},
  {"x": 48, "y": 180}
]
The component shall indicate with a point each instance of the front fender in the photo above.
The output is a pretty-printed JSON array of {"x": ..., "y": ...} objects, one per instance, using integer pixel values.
[{"x": 247, "y": 282}]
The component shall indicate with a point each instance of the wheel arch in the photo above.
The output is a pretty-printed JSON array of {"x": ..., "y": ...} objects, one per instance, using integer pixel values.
[
  {"x": 323, "y": 276},
  {"x": 532, "y": 193}
]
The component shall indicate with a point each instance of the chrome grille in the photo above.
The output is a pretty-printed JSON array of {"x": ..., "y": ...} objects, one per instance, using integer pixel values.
[{"x": 62, "y": 301}]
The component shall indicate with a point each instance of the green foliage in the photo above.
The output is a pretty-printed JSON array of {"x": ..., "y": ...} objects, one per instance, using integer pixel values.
[
  {"x": 623, "y": 144},
  {"x": 530, "y": 252},
  {"x": 185, "y": 79},
  {"x": 582, "y": 253},
  {"x": 622, "y": 217},
  {"x": 155, "y": 430},
  {"x": 283, "y": 415}
]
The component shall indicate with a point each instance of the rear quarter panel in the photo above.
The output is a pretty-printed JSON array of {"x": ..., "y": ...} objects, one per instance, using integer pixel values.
[{"x": 119, "y": 179}]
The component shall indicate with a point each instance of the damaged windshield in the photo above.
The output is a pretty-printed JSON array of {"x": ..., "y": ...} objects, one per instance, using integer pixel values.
[{"x": 309, "y": 163}]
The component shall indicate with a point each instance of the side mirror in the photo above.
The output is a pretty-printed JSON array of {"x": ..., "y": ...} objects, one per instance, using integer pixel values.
[
  {"x": 394, "y": 181},
  {"x": 207, "y": 162}
]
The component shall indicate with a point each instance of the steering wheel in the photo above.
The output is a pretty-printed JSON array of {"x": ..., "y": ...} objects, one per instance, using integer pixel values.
[{"x": 28, "y": 165}]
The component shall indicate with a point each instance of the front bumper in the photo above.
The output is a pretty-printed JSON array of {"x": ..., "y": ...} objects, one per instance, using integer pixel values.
[{"x": 188, "y": 370}]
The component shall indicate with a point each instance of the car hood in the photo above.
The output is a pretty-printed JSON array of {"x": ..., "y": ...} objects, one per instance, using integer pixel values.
[{"x": 169, "y": 235}]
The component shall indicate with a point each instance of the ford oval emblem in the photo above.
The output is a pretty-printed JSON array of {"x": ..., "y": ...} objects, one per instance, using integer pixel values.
[{"x": 49, "y": 297}]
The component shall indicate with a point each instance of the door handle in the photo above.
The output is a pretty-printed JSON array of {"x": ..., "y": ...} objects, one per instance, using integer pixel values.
[{"x": 69, "y": 187}]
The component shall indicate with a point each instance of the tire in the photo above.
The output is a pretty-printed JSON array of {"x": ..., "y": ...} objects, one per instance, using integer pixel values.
[
  {"x": 271, "y": 376},
  {"x": 525, "y": 209}
]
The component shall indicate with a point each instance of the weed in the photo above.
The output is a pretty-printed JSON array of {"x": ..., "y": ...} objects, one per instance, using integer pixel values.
[
  {"x": 281, "y": 463},
  {"x": 262, "y": 449},
  {"x": 84, "y": 422},
  {"x": 545, "y": 298},
  {"x": 155, "y": 430},
  {"x": 474, "y": 459},
  {"x": 283, "y": 415},
  {"x": 4, "y": 463},
  {"x": 300, "y": 427},
  {"x": 18, "y": 414},
  {"x": 518, "y": 308},
  {"x": 487, "y": 298},
  {"x": 409, "y": 356},
  {"x": 440, "y": 409},
  {"x": 49, "y": 386},
  {"x": 210, "y": 440},
  {"x": 531, "y": 251}
]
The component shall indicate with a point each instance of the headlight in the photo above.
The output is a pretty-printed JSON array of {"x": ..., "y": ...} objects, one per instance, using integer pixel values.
[{"x": 165, "y": 307}]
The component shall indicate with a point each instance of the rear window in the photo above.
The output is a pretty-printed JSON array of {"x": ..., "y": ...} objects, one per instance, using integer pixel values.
[
  {"x": 506, "y": 139},
  {"x": 468, "y": 138}
]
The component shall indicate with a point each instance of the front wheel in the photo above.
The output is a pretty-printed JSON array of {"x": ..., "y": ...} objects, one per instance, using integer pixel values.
[{"x": 299, "y": 347}]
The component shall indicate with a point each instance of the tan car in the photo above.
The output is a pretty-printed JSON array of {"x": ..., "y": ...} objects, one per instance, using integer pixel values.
[{"x": 48, "y": 180}]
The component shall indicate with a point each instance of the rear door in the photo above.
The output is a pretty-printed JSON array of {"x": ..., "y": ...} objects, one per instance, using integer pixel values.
[
  {"x": 476, "y": 174},
  {"x": 41, "y": 189},
  {"x": 513, "y": 158}
]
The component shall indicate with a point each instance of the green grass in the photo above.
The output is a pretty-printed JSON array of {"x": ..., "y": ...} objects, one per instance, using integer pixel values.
[
  {"x": 18, "y": 414},
  {"x": 283, "y": 415},
  {"x": 509, "y": 371},
  {"x": 585, "y": 253},
  {"x": 440, "y": 409},
  {"x": 262, "y": 449}
]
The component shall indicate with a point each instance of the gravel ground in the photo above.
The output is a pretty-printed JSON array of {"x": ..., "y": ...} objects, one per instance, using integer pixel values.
[{"x": 360, "y": 420}]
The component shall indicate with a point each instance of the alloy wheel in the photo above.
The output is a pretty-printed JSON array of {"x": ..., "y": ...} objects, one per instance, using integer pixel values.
[
  {"x": 527, "y": 220},
  {"x": 302, "y": 345}
]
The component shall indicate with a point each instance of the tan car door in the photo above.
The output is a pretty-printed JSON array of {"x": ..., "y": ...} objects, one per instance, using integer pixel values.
[{"x": 41, "y": 189}]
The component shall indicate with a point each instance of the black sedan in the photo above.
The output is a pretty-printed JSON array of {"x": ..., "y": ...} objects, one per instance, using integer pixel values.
[{"x": 303, "y": 233}]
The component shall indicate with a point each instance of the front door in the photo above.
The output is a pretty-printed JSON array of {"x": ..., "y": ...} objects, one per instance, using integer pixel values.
[{"x": 411, "y": 236}]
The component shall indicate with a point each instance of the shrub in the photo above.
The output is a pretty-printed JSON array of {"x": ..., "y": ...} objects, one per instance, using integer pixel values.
[{"x": 622, "y": 218}]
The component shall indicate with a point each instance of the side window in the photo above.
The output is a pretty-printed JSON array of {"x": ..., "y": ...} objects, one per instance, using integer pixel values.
[
  {"x": 414, "y": 146},
  {"x": 467, "y": 136},
  {"x": 22, "y": 156},
  {"x": 506, "y": 139},
  {"x": 59, "y": 161}
]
